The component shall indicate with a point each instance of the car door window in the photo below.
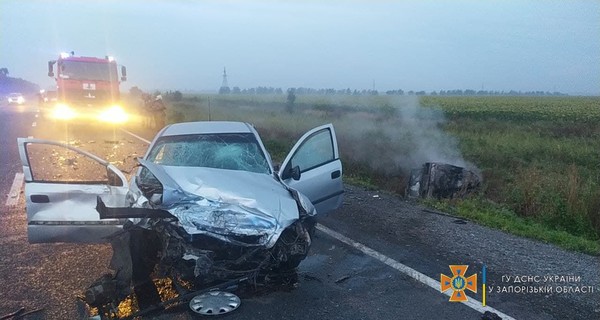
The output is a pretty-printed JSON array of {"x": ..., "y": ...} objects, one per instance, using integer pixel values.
[
  {"x": 315, "y": 151},
  {"x": 51, "y": 163}
]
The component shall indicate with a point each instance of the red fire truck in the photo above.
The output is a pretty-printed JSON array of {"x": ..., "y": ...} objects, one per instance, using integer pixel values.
[{"x": 87, "y": 89}]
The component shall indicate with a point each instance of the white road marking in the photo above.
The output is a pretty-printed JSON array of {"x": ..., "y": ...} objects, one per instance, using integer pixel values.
[
  {"x": 15, "y": 190},
  {"x": 34, "y": 124},
  {"x": 135, "y": 136},
  {"x": 30, "y": 137},
  {"x": 473, "y": 303}
]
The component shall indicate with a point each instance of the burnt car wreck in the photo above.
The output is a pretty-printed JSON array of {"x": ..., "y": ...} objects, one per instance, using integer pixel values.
[
  {"x": 205, "y": 209},
  {"x": 441, "y": 180}
]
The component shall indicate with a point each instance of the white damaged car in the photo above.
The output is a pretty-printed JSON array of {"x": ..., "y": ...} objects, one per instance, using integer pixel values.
[{"x": 205, "y": 205}]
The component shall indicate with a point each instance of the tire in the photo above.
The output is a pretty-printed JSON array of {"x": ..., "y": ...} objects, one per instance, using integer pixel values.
[{"x": 293, "y": 246}]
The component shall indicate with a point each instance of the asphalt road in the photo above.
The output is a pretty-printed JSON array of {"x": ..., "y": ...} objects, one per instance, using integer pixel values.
[{"x": 337, "y": 281}]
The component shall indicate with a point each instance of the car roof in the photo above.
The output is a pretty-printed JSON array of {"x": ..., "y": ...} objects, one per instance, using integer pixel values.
[{"x": 207, "y": 127}]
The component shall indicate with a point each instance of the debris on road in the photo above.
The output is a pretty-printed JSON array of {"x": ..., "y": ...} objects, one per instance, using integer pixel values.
[
  {"x": 183, "y": 298},
  {"x": 309, "y": 277},
  {"x": 440, "y": 180},
  {"x": 342, "y": 279},
  {"x": 490, "y": 316},
  {"x": 214, "y": 303},
  {"x": 12, "y": 314},
  {"x": 73, "y": 142},
  {"x": 19, "y": 314}
]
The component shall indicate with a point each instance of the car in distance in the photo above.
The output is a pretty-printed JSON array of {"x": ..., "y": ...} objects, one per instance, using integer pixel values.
[
  {"x": 206, "y": 200},
  {"x": 15, "y": 98}
]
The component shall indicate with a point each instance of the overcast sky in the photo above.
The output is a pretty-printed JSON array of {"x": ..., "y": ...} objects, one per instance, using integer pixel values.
[{"x": 409, "y": 45}]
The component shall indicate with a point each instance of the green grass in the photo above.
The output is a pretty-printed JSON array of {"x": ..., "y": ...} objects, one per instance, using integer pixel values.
[
  {"x": 496, "y": 216},
  {"x": 361, "y": 181},
  {"x": 540, "y": 159},
  {"x": 539, "y": 156}
]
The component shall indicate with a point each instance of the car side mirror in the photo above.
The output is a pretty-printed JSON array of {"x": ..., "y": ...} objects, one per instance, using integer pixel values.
[
  {"x": 51, "y": 68},
  {"x": 295, "y": 173},
  {"x": 288, "y": 172}
]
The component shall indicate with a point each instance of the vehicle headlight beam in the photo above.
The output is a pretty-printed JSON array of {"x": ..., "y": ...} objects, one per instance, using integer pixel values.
[
  {"x": 63, "y": 112},
  {"x": 114, "y": 114}
]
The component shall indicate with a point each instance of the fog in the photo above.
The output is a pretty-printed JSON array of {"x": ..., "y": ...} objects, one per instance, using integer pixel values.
[{"x": 382, "y": 45}]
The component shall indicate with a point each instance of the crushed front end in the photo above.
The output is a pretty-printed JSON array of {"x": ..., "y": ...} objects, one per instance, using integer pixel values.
[{"x": 199, "y": 242}]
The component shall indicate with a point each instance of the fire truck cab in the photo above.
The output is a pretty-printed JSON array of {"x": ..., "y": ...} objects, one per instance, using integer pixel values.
[{"x": 87, "y": 88}]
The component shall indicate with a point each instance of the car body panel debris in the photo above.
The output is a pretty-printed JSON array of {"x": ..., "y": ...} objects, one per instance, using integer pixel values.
[{"x": 441, "y": 180}]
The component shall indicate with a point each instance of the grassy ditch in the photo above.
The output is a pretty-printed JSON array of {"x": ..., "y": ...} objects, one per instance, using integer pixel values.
[{"x": 539, "y": 156}]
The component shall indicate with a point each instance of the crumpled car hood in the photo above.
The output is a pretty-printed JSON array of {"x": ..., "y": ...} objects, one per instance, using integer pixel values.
[{"x": 226, "y": 204}]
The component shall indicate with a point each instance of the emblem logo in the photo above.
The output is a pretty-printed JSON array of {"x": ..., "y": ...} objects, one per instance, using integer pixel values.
[
  {"x": 89, "y": 86},
  {"x": 458, "y": 283}
]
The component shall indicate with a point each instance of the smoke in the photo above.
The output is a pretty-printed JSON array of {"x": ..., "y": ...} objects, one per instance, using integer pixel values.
[
  {"x": 389, "y": 134},
  {"x": 398, "y": 136}
]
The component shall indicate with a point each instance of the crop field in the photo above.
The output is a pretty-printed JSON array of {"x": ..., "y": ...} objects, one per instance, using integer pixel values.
[{"x": 539, "y": 156}]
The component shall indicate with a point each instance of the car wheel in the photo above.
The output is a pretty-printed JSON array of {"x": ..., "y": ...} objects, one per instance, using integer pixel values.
[{"x": 292, "y": 247}]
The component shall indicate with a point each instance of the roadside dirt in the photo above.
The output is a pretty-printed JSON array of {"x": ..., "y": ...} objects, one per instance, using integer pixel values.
[{"x": 49, "y": 276}]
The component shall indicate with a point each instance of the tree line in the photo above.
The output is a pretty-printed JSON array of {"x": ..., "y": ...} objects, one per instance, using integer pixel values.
[
  {"x": 470, "y": 92},
  {"x": 10, "y": 84},
  {"x": 400, "y": 92}
]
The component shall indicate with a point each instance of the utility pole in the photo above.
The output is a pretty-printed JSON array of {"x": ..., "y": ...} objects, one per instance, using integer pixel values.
[{"x": 224, "y": 86}]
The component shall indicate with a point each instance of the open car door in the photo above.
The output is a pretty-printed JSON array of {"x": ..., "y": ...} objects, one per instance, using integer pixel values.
[
  {"x": 61, "y": 187},
  {"x": 313, "y": 167}
]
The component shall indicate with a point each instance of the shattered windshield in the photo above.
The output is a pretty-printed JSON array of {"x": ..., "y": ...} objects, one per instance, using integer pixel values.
[
  {"x": 81, "y": 70},
  {"x": 239, "y": 151}
]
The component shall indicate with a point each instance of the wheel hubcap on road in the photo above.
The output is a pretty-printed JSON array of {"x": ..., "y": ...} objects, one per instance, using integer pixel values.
[{"x": 215, "y": 303}]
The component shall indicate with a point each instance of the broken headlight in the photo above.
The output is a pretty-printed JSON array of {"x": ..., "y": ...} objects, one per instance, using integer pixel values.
[{"x": 149, "y": 184}]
